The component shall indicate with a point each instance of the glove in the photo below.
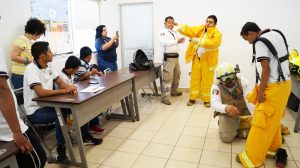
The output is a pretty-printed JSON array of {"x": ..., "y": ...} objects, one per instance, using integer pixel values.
[
  {"x": 195, "y": 40},
  {"x": 177, "y": 28},
  {"x": 200, "y": 51}
]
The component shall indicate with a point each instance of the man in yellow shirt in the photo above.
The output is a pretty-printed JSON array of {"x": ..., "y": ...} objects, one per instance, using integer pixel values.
[{"x": 203, "y": 52}]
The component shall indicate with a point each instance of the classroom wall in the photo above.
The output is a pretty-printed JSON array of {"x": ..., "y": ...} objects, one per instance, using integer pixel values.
[
  {"x": 14, "y": 14},
  {"x": 232, "y": 14},
  {"x": 13, "y": 20}
]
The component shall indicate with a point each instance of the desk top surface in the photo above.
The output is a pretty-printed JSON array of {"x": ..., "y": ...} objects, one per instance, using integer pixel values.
[
  {"x": 108, "y": 81},
  {"x": 7, "y": 149}
]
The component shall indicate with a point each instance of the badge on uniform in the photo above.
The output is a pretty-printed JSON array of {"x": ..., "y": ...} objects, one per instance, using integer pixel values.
[{"x": 215, "y": 92}]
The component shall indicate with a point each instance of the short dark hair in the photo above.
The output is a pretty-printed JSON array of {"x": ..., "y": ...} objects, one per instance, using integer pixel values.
[
  {"x": 214, "y": 18},
  {"x": 35, "y": 27},
  {"x": 72, "y": 62},
  {"x": 99, "y": 31},
  {"x": 38, "y": 48},
  {"x": 84, "y": 52},
  {"x": 169, "y": 17},
  {"x": 249, "y": 26}
]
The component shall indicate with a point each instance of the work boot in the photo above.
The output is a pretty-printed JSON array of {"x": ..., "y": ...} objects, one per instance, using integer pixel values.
[
  {"x": 271, "y": 154},
  {"x": 166, "y": 101},
  {"x": 207, "y": 104},
  {"x": 281, "y": 158},
  {"x": 191, "y": 102},
  {"x": 176, "y": 93},
  {"x": 61, "y": 155}
]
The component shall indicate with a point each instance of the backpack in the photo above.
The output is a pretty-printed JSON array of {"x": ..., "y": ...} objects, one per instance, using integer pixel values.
[{"x": 140, "y": 62}]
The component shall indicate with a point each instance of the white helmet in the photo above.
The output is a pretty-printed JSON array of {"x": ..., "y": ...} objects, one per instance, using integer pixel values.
[{"x": 226, "y": 72}]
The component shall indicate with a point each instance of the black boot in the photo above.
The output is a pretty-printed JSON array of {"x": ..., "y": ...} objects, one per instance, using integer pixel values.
[
  {"x": 61, "y": 155},
  {"x": 281, "y": 158}
]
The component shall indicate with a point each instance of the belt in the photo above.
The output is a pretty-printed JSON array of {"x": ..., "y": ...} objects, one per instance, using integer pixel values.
[{"x": 171, "y": 55}]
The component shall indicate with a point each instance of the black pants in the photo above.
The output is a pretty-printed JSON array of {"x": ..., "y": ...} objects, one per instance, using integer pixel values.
[{"x": 36, "y": 158}]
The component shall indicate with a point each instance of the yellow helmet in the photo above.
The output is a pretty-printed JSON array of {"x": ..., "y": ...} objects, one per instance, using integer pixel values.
[
  {"x": 295, "y": 64},
  {"x": 293, "y": 54},
  {"x": 226, "y": 72}
]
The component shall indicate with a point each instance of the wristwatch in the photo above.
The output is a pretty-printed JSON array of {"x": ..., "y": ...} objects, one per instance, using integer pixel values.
[{"x": 26, "y": 61}]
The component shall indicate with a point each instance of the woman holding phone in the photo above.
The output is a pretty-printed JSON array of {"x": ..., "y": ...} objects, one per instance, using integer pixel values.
[{"x": 106, "y": 48}]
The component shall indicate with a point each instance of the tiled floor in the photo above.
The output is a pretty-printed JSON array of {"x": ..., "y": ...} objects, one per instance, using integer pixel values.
[{"x": 175, "y": 136}]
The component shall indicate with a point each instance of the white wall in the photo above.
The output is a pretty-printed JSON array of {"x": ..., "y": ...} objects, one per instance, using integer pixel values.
[
  {"x": 14, "y": 18},
  {"x": 232, "y": 14}
]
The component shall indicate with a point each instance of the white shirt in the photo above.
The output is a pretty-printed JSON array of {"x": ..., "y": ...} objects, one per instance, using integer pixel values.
[
  {"x": 35, "y": 75},
  {"x": 262, "y": 52},
  {"x": 5, "y": 132},
  {"x": 68, "y": 80},
  {"x": 168, "y": 41},
  {"x": 216, "y": 101}
]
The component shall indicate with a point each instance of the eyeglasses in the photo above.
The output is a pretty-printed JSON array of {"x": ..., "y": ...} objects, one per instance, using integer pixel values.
[{"x": 227, "y": 78}]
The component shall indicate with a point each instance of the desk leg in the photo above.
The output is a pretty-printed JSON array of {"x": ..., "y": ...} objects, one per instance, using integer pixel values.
[
  {"x": 124, "y": 108},
  {"x": 128, "y": 100},
  {"x": 65, "y": 134},
  {"x": 79, "y": 139},
  {"x": 161, "y": 84},
  {"x": 155, "y": 88},
  {"x": 136, "y": 107}
]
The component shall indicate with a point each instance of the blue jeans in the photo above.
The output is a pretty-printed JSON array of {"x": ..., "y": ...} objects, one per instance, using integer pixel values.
[
  {"x": 17, "y": 80},
  {"x": 106, "y": 64},
  {"x": 94, "y": 121},
  {"x": 47, "y": 115}
]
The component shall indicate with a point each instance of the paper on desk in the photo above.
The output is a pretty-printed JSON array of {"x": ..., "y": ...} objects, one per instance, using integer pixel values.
[{"x": 92, "y": 89}]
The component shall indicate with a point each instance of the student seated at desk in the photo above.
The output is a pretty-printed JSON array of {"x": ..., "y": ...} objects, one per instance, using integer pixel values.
[
  {"x": 12, "y": 128},
  {"x": 39, "y": 79},
  {"x": 84, "y": 72},
  {"x": 71, "y": 66}
]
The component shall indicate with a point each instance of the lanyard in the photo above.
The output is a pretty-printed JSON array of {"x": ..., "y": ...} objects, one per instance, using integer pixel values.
[{"x": 172, "y": 34}]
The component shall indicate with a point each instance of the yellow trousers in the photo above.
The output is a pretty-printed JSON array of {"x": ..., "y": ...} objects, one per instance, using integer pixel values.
[
  {"x": 202, "y": 77},
  {"x": 265, "y": 133}
]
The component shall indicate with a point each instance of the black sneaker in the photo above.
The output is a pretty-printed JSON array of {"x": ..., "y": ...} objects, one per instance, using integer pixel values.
[
  {"x": 90, "y": 140},
  {"x": 281, "y": 158},
  {"x": 61, "y": 155}
]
